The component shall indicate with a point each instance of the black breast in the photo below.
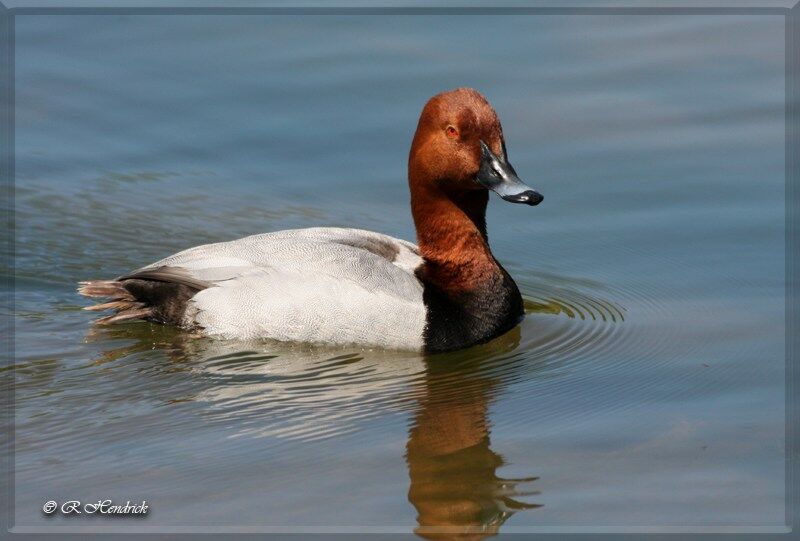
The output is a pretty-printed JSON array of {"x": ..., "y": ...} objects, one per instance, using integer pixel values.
[{"x": 458, "y": 320}]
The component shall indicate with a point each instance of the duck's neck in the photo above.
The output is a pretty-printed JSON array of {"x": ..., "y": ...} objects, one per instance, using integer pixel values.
[
  {"x": 469, "y": 297},
  {"x": 451, "y": 233}
]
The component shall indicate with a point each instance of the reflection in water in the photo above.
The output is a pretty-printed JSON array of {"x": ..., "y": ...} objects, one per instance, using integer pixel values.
[
  {"x": 454, "y": 485},
  {"x": 305, "y": 394},
  {"x": 292, "y": 391}
]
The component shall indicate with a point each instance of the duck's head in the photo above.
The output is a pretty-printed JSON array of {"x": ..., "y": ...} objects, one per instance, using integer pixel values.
[{"x": 459, "y": 147}]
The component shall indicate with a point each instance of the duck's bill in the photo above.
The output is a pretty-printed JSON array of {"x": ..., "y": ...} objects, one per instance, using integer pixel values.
[{"x": 499, "y": 176}]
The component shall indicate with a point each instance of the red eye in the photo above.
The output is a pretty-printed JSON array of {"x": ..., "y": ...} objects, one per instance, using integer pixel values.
[{"x": 451, "y": 132}]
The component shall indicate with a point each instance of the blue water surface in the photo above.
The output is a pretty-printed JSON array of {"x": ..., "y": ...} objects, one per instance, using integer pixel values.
[{"x": 644, "y": 390}]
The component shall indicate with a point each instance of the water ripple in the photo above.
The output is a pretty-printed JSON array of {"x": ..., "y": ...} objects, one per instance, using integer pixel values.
[{"x": 304, "y": 392}]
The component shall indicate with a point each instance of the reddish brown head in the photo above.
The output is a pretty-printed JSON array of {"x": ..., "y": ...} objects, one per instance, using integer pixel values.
[
  {"x": 459, "y": 147},
  {"x": 457, "y": 155}
]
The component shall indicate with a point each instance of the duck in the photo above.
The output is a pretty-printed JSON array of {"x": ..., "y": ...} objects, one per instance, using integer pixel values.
[{"x": 346, "y": 286}]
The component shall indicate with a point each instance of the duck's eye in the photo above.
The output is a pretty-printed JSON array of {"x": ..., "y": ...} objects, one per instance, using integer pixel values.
[{"x": 451, "y": 132}]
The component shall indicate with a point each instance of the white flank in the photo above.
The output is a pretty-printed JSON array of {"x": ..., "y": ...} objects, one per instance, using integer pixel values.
[{"x": 325, "y": 285}]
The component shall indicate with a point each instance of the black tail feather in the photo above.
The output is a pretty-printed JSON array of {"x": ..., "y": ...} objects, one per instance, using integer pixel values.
[{"x": 159, "y": 295}]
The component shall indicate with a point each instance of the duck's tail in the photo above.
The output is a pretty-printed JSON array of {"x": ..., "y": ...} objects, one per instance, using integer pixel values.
[
  {"x": 122, "y": 301},
  {"x": 157, "y": 294}
]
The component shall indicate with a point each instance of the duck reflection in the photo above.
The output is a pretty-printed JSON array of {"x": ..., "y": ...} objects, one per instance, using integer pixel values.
[
  {"x": 306, "y": 394},
  {"x": 268, "y": 389},
  {"x": 454, "y": 483}
]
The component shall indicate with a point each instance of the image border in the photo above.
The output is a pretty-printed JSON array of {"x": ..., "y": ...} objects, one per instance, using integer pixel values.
[{"x": 792, "y": 340}]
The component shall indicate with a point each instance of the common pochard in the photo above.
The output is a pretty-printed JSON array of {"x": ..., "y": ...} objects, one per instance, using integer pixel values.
[{"x": 348, "y": 286}]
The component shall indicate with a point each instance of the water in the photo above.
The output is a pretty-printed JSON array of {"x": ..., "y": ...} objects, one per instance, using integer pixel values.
[{"x": 643, "y": 391}]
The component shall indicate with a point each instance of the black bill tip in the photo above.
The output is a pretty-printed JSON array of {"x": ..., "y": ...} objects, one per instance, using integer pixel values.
[{"x": 528, "y": 197}]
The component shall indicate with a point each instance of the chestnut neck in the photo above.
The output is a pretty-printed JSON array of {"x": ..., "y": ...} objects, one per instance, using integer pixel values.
[{"x": 451, "y": 233}]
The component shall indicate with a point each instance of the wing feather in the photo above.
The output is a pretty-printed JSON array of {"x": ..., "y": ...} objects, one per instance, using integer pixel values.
[{"x": 175, "y": 275}]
